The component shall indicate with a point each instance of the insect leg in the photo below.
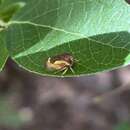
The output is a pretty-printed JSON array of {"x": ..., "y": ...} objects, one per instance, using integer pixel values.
[
  {"x": 72, "y": 70},
  {"x": 63, "y": 69},
  {"x": 64, "y": 72}
]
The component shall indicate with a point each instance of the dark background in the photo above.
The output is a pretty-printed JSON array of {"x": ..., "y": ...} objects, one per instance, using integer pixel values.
[{"x": 32, "y": 102}]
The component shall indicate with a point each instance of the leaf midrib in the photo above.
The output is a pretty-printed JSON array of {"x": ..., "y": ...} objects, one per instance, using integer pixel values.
[
  {"x": 79, "y": 35},
  {"x": 62, "y": 30}
]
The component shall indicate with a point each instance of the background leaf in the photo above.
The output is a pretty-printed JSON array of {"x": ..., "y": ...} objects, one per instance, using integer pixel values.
[
  {"x": 1, "y": 1},
  {"x": 95, "y": 32},
  {"x": 6, "y": 12},
  {"x": 3, "y": 50}
]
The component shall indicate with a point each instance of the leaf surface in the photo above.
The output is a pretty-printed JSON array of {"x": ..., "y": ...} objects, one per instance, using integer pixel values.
[{"x": 95, "y": 32}]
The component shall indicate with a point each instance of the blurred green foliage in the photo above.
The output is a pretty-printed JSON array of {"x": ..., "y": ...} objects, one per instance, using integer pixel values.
[
  {"x": 7, "y": 13},
  {"x": 1, "y": 1},
  {"x": 8, "y": 115},
  {"x": 123, "y": 126}
]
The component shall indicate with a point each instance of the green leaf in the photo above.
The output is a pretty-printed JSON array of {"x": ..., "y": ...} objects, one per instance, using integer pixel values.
[
  {"x": 7, "y": 13},
  {"x": 3, "y": 50},
  {"x": 95, "y": 32}
]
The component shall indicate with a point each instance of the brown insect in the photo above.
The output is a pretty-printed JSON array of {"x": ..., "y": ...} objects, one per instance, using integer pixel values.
[{"x": 61, "y": 62}]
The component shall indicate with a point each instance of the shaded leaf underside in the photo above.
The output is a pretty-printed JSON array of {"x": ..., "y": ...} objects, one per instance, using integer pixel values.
[{"x": 95, "y": 32}]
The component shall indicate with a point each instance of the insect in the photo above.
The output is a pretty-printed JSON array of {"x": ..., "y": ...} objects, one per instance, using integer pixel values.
[{"x": 61, "y": 62}]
